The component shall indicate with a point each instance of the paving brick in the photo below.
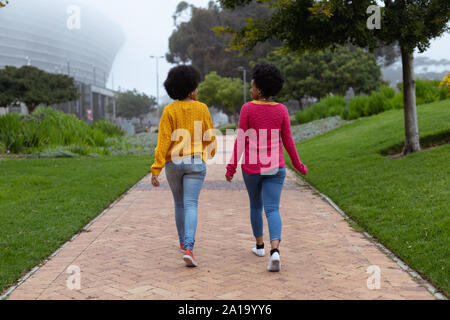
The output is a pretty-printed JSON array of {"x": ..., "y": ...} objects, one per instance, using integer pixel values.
[{"x": 131, "y": 252}]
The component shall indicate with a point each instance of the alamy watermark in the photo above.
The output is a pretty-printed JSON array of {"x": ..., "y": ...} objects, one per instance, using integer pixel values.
[
  {"x": 251, "y": 139},
  {"x": 74, "y": 18},
  {"x": 73, "y": 282},
  {"x": 374, "y": 280},
  {"x": 374, "y": 21}
]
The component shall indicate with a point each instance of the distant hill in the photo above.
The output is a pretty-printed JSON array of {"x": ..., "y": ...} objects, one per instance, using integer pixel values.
[{"x": 424, "y": 68}]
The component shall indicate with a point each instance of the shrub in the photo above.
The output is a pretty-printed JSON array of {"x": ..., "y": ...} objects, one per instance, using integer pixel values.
[
  {"x": 2, "y": 148},
  {"x": 397, "y": 101},
  {"x": 444, "y": 94},
  {"x": 61, "y": 129},
  {"x": 333, "y": 101},
  {"x": 110, "y": 129},
  {"x": 224, "y": 128},
  {"x": 385, "y": 98},
  {"x": 46, "y": 128},
  {"x": 356, "y": 108},
  {"x": 82, "y": 150},
  {"x": 378, "y": 102},
  {"x": 387, "y": 91},
  {"x": 99, "y": 138},
  {"x": 381, "y": 100},
  {"x": 427, "y": 91},
  {"x": 327, "y": 107},
  {"x": 303, "y": 116},
  {"x": 445, "y": 86},
  {"x": 11, "y": 132}
]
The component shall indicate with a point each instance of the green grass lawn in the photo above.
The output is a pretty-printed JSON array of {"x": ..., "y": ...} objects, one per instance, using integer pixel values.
[
  {"x": 403, "y": 202},
  {"x": 44, "y": 202}
]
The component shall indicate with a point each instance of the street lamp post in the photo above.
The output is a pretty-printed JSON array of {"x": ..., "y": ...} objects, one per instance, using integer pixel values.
[
  {"x": 157, "y": 82},
  {"x": 114, "y": 99},
  {"x": 245, "y": 82}
]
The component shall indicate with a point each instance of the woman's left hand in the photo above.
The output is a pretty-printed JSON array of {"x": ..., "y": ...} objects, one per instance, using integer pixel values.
[
  {"x": 155, "y": 181},
  {"x": 303, "y": 169},
  {"x": 228, "y": 178}
]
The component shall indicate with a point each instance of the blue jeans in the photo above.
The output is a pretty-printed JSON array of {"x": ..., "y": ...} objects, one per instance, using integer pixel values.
[
  {"x": 264, "y": 191},
  {"x": 185, "y": 178}
]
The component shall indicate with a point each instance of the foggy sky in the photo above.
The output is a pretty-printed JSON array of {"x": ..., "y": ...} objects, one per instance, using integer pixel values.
[{"x": 148, "y": 25}]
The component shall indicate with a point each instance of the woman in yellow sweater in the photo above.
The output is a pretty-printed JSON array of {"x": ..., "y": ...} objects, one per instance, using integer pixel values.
[{"x": 186, "y": 140}]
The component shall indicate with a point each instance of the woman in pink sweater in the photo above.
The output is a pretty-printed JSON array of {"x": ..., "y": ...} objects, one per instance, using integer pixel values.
[{"x": 263, "y": 126}]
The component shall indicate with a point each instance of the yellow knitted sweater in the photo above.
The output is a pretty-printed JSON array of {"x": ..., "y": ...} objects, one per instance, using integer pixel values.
[{"x": 185, "y": 130}]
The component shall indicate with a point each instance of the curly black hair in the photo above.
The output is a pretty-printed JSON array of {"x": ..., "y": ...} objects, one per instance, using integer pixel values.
[
  {"x": 268, "y": 79},
  {"x": 181, "y": 81}
]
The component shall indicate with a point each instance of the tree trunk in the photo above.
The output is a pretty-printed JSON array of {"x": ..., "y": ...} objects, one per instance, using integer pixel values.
[
  {"x": 412, "y": 143},
  {"x": 31, "y": 108}
]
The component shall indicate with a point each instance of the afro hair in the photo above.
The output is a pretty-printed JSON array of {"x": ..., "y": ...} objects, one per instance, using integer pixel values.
[
  {"x": 268, "y": 79},
  {"x": 181, "y": 81}
]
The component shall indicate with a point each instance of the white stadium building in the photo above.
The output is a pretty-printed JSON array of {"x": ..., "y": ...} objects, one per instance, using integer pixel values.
[{"x": 59, "y": 36}]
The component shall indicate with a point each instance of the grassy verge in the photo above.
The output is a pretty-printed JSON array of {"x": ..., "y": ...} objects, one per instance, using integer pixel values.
[
  {"x": 403, "y": 202},
  {"x": 44, "y": 202}
]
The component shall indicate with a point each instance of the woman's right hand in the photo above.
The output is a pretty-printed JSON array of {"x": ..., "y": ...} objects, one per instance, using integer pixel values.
[{"x": 229, "y": 178}]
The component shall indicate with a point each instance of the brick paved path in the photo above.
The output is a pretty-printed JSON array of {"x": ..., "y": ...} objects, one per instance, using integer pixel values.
[{"x": 131, "y": 252}]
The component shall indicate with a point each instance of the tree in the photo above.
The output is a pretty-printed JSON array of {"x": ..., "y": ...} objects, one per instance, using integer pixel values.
[
  {"x": 199, "y": 40},
  {"x": 207, "y": 90},
  {"x": 33, "y": 87},
  {"x": 3, "y": 3},
  {"x": 196, "y": 42},
  {"x": 132, "y": 104},
  {"x": 316, "y": 74},
  {"x": 316, "y": 24},
  {"x": 231, "y": 95},
  {"x": 63, "y": 88},
  {"x": 180, "y": 10},
  {"x": 9, "y": 88},
  {"x": 224, "y": 93},
  {"x": 387, "y": 55}
]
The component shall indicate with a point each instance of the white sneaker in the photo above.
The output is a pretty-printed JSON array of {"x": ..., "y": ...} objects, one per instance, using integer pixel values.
[
  {"x": 259, "y": 252},
  {"x": 274, "y": 262}
]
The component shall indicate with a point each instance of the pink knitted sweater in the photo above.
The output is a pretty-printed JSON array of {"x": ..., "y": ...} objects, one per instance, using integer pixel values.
[{"x": 262, "y": 128}]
